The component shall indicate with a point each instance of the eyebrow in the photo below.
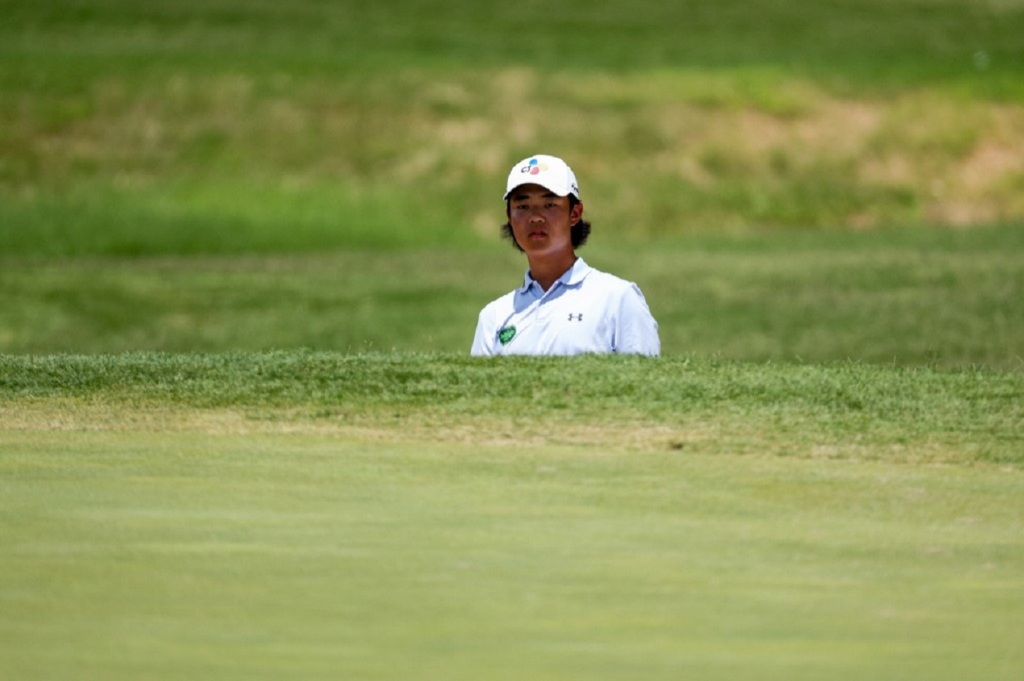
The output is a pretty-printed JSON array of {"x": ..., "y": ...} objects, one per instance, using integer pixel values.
[{"x": 520, "y": 197}]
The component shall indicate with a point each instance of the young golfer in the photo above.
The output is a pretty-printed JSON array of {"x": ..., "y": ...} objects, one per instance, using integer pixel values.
[{"x": 565, "y": 306}]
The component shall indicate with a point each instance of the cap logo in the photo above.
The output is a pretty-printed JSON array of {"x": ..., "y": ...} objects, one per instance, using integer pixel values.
[{"x": 534, "y": 167}]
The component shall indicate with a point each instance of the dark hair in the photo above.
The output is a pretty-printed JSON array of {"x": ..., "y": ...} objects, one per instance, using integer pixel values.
[{"x": 579, "y": 232}]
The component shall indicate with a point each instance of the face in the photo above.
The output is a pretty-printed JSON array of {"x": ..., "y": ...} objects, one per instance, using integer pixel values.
[{"x": 541, "y": 221}]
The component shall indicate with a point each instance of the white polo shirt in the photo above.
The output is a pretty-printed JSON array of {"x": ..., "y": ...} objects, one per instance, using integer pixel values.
[{"x": 585, "y": 311}]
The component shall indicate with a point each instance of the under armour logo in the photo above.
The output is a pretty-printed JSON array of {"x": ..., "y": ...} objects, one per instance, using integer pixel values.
[{"x": 575, "y": 317}]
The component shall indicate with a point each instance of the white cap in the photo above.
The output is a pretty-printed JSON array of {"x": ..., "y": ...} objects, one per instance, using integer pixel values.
[{"x": 549, "y": 172}]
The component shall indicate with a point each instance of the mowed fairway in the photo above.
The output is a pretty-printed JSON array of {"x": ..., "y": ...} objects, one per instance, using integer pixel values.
[
  {"x": 311, "y": 516},
  {"x": 280, "y": 556}
]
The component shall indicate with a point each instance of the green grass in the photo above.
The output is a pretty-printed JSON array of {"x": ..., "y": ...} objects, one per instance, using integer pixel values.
[
  {"x": 849, "y": 409},
  {"x": 242, "y": 249},
  {"x": 394, "y": 516},
  {"x": 868, "y": 38},
  {"x": 235, "y": 557},
  {"x": 904, "y": 297},
  {"x": 176, "y": 128}
]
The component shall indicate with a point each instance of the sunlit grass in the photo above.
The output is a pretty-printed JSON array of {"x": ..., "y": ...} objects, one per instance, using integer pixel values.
[
  {"x": 257, "y": 555},
  {"x": 843, "y": 410},
  {"x": 286, "y": 214},
  {"x": 665, "y": 159},
  {"x": 319, "y": 513},
  {"x": 179, "y": 117},
  {"x": 905, "y": 297}
]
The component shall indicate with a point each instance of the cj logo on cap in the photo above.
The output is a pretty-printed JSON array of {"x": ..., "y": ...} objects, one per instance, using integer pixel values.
[{"x": 534, "y": 167}]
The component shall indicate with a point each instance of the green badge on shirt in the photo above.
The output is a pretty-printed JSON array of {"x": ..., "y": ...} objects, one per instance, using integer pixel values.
[{"x": 506, "y": 335}]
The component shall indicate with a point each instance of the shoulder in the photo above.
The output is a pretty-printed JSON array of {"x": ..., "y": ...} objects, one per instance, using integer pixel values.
[
  {"x": 498, "y": 305},
  {"x": 608, "y": 279},
  {"x": 621, "y": 295},
  {"x": 610, "y": 283}
]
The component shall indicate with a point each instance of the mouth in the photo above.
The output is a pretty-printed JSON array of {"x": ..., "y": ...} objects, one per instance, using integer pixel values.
[{"x": 536, "y": 234}]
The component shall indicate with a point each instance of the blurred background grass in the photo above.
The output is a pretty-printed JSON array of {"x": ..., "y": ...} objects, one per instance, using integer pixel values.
[
  {"x": 226, "y": 174},
  {"x": 237, "y": 126},
  {"x": 926, "y": 297}
]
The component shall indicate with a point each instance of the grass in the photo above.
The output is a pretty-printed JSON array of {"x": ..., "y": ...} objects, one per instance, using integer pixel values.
[
  {"x": 710, "y": 407},
  {"x": 242, "y": 247},
  {"x": 904, "y": 297},
  {"x": 351, "y": 36},
  {"x": 240, "y": 557},
  {"x": 176, "y": 128},
  {"x": 387, "y": 516}
]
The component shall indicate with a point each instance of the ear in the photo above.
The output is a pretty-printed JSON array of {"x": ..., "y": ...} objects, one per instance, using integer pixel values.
[{"x": 576, "y": 214}]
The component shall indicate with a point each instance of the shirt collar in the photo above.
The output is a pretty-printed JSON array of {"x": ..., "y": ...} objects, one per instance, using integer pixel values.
[{"x": 572, "y": 277}]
